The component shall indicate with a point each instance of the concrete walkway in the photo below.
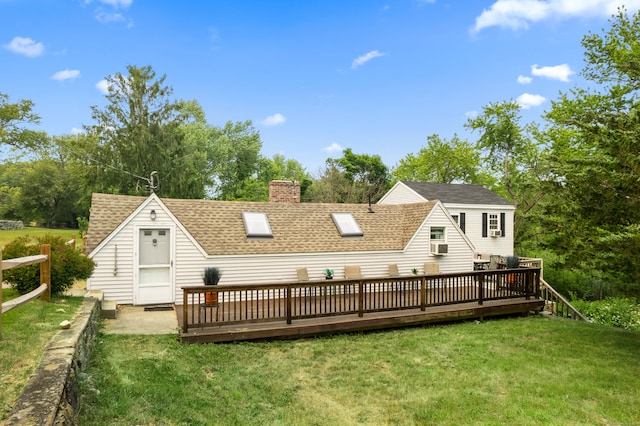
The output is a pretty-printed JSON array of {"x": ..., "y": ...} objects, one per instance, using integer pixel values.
[{"x": 135, "y": 320}]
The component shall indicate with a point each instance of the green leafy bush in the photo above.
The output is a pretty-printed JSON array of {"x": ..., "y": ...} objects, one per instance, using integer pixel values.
[
  {"x": 580, "y": 284},
  {"x": 614, "y": 311},
  {"x": 67, "y": 265}
]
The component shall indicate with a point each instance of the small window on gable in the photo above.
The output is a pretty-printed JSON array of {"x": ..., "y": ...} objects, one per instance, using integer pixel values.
[
  {"x": 256, "y": 225},
  {"x": 437, "y": 233},
  {"x": 346, "y": 224},
  {"x": 455, "y": 218}
]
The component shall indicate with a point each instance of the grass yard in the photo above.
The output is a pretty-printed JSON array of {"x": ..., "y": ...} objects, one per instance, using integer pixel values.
[
  {"x": 534, "y": 370},
  {"x": 6, "y": 236},
  {"x": 26, "y": 331}
]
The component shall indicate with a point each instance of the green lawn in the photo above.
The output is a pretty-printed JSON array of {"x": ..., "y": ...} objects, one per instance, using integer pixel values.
[
  {"x": 534, "y": 370},
  {"x": 8, "y": 236},
  {"x": 26, "y": 331}
]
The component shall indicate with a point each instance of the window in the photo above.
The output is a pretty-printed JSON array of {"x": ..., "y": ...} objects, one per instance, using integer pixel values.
[
  {"x": 256, "y": 225},
  {"x": 493, "y": 221},
  {"x": 346, "y": 224},
  {"x": 455, "y": 218},
  {"x": 437, "y": 233}
]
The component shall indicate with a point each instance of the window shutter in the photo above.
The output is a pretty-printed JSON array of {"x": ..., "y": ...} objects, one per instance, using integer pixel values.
[
  {"x": 484, "y": 225},
  {"x": 502, "y": 223},
  {"x": 463, "y": 221}
]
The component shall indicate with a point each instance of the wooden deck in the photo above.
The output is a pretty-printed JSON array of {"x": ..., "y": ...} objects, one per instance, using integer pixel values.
[{"x": 301, "y": 309}]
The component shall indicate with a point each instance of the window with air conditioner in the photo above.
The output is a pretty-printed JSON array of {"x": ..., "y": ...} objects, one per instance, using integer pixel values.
[{"x": 438, "y": 244}]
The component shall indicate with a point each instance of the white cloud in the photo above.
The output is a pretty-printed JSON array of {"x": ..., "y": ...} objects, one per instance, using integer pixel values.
[
  {"x": 524, "y": 79},
  {"x": 105, "y": 18},
  {"x": 274, "y": 120},
  {"x": 25, "y": 46},
  {"x": 118, "y": 3},
  {"x": 66, "y": 75},
  {"x": 334, "y": 147},
  {"x": 103, "y": 86},
  {"x": 365, "y": 58},
  {"x": 558, "y": 72},
  {"x": 517, "y": 14},
  {"x": 471, "y": 114},
  {"x": 527, "y": 100},
  {"x": 76, "y": 131}
]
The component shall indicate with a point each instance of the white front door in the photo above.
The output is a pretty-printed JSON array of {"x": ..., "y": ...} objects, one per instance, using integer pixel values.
[{"x": 155, "y": 272}]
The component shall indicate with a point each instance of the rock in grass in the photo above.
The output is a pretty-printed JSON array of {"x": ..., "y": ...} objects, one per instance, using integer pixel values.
[{"x": 65, "y": 324}]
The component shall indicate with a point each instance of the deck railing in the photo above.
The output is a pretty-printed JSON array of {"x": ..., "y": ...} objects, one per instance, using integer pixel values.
[
  {"x": 558, "y": 305},
  {"x": 237, "y": 304}
]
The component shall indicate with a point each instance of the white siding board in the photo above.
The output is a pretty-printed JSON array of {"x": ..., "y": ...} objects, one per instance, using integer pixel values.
[{"x": 401, "y": 194}]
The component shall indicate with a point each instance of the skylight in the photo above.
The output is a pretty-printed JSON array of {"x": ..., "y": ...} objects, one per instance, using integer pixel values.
[
  {"x": 256, "y": 225},
  {"x": 346, "y": 224}
]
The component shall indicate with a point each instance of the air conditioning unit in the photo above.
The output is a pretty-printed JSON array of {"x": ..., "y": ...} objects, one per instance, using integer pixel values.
[
  {"x": 495, "y": 233},
  {"x": 439, "y": 248}
]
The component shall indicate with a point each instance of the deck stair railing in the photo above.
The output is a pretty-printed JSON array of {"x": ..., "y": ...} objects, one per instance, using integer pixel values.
[
  {"x": 557, "y": 305},
  {"x": 237, "y": 303}
]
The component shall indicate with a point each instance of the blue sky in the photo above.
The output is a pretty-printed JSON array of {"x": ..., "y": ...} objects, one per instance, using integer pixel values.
[{"x": 314, "y": 77}]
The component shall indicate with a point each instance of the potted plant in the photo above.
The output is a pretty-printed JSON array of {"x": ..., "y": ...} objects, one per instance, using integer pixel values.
[
  {"x": 211, "y": 277},
  {"x": 328, "y": 274}
]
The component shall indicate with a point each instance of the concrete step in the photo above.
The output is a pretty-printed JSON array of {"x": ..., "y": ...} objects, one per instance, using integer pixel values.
[{"x": 109, "y": 309}]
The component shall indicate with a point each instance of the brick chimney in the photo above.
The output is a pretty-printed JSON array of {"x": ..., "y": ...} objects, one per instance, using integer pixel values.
[{"x": 284, "y": 191}]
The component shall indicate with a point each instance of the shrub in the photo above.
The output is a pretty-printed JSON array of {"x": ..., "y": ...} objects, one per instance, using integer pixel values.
[
  {"x": 613, "y": 311},
  {"x": 67, "y": 265},
  {"x": 583, "y": 285}
]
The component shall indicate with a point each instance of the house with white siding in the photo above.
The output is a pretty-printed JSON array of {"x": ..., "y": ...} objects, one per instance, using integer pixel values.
[
  {"x": 147, "y": 249},
  {"x": 483, "y": 216}
]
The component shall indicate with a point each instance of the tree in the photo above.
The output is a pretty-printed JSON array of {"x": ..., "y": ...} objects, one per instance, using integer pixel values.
[
  {"x": 352, "y": 178},
  {"x": 234, "y": 160},
  {"x": 515, "y": 155},
  {"x": 14, "y": 117},
  {"x": 443, "y": 161},
  {"x": 140, "y": 131},
  {"x": 596, "y": 157}
]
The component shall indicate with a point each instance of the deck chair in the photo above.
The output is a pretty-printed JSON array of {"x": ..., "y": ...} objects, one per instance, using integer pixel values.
[
  {"x": 393, "y": 270},
  {"x": 431, "y": 268},
  {"x": 494, "y": 259},
  {"x": 352, "y": 272},
  {"x": 303, "y": 274}
]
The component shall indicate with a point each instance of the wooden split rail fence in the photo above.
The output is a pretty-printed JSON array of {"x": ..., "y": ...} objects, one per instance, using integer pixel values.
[{"x": 44, "y": 290}]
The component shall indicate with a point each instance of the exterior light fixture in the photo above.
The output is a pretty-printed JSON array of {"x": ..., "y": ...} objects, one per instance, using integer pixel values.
[{"x": 152, "y": 215}]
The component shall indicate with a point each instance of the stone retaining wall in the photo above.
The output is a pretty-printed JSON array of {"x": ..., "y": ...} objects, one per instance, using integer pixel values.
[
  {"x": 51, "y": 395},
  {"x": 6, "y": 225}
]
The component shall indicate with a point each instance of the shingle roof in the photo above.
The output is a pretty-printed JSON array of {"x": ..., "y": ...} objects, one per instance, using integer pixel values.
[
  {"x": 297, "y": 228},
  {"x": 456, "y": 193}
]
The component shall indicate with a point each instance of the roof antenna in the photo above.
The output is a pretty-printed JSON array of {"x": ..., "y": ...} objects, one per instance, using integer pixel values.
[
  {"x": 153, "y": 184},
  {"x": 370, "y": 210}
]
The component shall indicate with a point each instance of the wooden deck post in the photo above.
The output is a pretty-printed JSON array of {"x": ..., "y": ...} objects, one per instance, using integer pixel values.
[
  {"x": 185, "y": 310},
  {"x": 288, "y": 304},
  {"x": 480, "y": 289},
  {"x": 45, "y": 272},
  {"x": 360, "y": 299},
  {"x": 423, "y": 294}
]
